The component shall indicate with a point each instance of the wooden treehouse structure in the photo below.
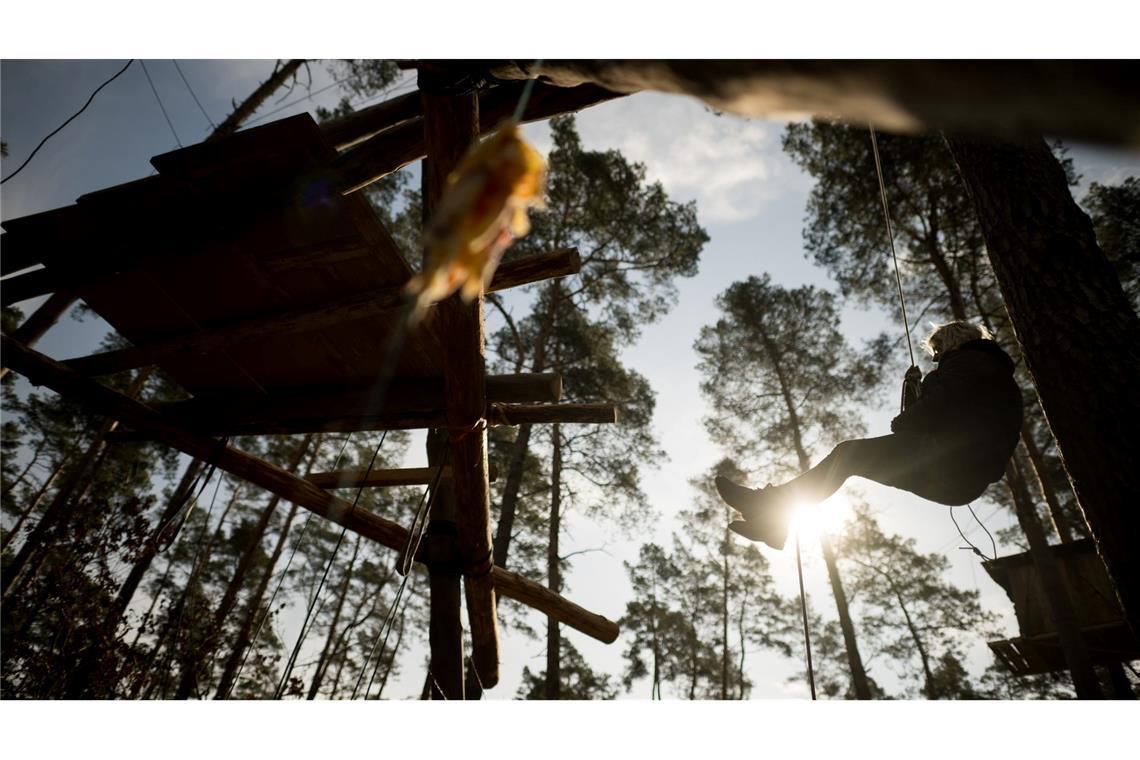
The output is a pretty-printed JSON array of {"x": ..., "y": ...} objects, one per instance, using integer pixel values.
[
  {"x": 251, "y": 271},
  {"x": 1099, "y": 616}
]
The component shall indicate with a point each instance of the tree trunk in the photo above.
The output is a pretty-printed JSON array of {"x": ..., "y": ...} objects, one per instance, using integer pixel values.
[
  {"x": 35, "y": 502},
  {"x": 173, "y": 625},
  {"x": 1045, "y": 485},
  {"x": 245, "y": 631},
  {"x": 508, "y": 505},
  {"x": 553, "y": 688},
  {"x": 858, "y": 674},
  {"x": 724, "y": 622},
  {"x": 323, "y": 660},
  {"x": 189, "y": 681},
  {"x": 62, "y": 508},
  {"x": 930, "y": 687},
  {"x": 248, "y": 106},
  {"x": 1054, "y": 597},
  {"x": 517, "y": 464},
  {"x": 1078, "y": 333},
  {"x": 80, "y": 680}
]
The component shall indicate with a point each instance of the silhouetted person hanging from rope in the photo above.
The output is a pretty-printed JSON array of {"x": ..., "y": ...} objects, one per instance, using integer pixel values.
[{"x": 953, "y": 438}]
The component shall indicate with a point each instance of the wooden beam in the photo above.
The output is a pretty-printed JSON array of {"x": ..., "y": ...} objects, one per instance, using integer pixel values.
[
  {"x": 199, "y": 342},
  {"x": 408, "y": 476},
  {"x": 394, "y": 148},
  {"x": 451, "y": 125},
  {"x": 407, "y": 405},
  {"x": 40, "y": 320},
  {"x": 351, "y": 129},
  {"x": 294, "y": 321},
  {"x": 546, "y": 266},
  {"x": 1090, "y": 100},
  {"x": 21, "y": 287},
  {"x": 514, "y": 586},
  {"x": 529, "y": 414},
  {"x": 42, "y": 370}
]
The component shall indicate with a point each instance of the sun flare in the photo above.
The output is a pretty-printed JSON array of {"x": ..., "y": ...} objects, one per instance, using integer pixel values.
[{"x": 811, "y": 522}]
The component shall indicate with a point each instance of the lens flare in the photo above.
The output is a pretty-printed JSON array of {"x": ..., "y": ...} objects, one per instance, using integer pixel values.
[{"x": 810, "y": 522}]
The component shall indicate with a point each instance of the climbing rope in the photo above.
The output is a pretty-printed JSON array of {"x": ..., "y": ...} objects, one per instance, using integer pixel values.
[
  {"x": 403, "y": 567},
  {"x": 803, "y": 610},
  {"x": 970, "y": 544},
  {"x": 280, "y": 580},
  {"x": 891, "y": 237},
  {"x": 324, "y": 576}
]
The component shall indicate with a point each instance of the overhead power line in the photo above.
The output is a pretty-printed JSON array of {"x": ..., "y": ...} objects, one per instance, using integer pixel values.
[
  {"x": 61, "y": 126},
  {"x": 161, "y": 107},
  {"x": 186, "y": 82}
]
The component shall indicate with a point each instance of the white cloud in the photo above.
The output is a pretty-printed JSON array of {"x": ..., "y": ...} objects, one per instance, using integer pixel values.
[{"x": 730, "y": 165}]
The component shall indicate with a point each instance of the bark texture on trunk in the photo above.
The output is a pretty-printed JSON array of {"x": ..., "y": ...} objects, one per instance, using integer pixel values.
[
  {"x": 553, "y": 687},
  {"x": 1078, "y": 334}
]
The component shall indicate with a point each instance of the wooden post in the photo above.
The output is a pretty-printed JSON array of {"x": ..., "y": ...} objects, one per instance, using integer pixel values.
[
  {"x": 451, "y": 124},
  {"x": 441, "y": 554}
]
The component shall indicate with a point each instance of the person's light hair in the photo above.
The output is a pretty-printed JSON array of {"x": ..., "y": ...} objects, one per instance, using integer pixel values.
[{"x": 949, "y": 336}]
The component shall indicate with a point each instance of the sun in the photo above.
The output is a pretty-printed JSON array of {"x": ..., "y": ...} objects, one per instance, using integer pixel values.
[{"x": 811, "y": 522}]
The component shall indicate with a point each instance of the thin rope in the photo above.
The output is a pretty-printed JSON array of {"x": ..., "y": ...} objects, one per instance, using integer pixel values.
[
  {"x": 803, "y": 611},
  {"x": 891, "y": 237},
  {"x": 409, "y": 552},
  {"x": 165, "y": 115},
  {"x": 324, "y": 576},
  {"x": 64, "y": 124},
  {"x": 186, "y": 82},
  {"x": 970, "y": 545},
  {"x": 993, "y": 544},
  {"x": 528, "y": 88},
  {"x": 252, "y": 647}
]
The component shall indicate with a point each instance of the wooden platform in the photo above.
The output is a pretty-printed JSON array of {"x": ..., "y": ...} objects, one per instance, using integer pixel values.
[
  {"x": 1101, "y": 620},
  {"x": 227, "y": 232},
  {"x": 249, "y": 273}
]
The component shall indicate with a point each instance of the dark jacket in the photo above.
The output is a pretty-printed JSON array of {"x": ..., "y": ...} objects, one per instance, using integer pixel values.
[{"x": 972, "y": 407}]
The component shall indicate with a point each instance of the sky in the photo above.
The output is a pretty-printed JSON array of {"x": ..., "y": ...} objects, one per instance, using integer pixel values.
[
  {"x": 133, "y": 129},
  {"x": 750, "y": 198}
]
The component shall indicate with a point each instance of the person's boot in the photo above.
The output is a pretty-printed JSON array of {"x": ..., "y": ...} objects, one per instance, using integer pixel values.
[{"x": 765, "y": 514}]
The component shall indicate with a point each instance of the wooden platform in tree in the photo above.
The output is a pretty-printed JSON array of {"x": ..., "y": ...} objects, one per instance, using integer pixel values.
[
  {"x": 255, "y": 276},
  {"x": 1103, "y": 627}
]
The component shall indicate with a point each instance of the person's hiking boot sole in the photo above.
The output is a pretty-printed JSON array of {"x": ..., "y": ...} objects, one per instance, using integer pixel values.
[{"x": 754, "y": 531}]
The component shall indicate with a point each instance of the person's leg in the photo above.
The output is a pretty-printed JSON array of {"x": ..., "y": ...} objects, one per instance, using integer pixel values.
[{"x": 897, "y": 460}]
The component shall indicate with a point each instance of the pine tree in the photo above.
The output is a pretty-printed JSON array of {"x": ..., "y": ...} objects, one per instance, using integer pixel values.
[{"x": 779, "y": 375}]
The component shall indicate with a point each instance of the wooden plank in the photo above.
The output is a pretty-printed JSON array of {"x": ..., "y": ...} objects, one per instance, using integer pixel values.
[
  {"x": 547, "y": 266},
  {"x": 351, "y": 129},
  {"x": 403, "y": 399},
  {"x": 38, "y": 323},
  {"x": 406, "y": 476},
  {"x": 451, "y": 124},
  {"x": 199, "y": 342},
  {"x": 394, "y": 148},
  {"x": 42, "y": 370},
  {"x": 385, "y": 301},
  {"x": 272, "y": 417},
  {"x": 530, "y": 414},
  {"x": 514, "y": 586}
]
